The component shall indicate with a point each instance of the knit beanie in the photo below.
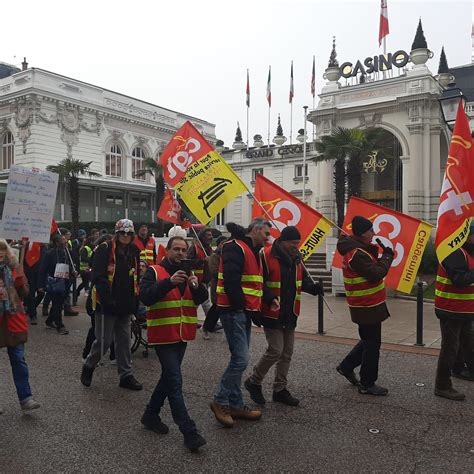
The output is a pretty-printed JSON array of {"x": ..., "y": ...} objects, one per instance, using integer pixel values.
[
  {"x": 290, "y": 233},
  {"x": 360, "y": 225}
]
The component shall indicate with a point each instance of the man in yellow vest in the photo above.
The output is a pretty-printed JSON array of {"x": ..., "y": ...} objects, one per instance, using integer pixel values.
[
  {"x": 145, "y": 244},
  {"x": 363, "y": 271},
  {"x": 171, "y": 296},
  {"x": 454, "y": 307},
  {"x": 284, "y": 275}
]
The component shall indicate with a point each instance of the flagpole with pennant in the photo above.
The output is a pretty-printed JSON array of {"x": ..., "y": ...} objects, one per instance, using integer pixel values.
[
  {"x": 247, "y": 102},
  {"x": 269, "y": 98},
  {"x": 292, "y": 94},
  {"x": 313, "y": 93},
  {"x": 383, "y": 27}
]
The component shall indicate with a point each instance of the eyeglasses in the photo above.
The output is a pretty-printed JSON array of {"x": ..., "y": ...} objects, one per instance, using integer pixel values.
[{"x": 122, "y": 232}]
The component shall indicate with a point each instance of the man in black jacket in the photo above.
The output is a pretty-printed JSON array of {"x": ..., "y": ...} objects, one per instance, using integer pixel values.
[
  {"x": 283, "y": 260},
  {"x": 454, "y": 307},
  {"x": 115, "y": 293}
]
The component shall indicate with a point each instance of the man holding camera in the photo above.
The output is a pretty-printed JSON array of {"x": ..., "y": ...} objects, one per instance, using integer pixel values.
[
  {"x": 171, "y": 293},
  {"x": 363, "y": 272}
]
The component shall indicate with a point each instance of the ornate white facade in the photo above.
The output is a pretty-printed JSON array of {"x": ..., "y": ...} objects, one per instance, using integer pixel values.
[{"x": 50, "y": 117}]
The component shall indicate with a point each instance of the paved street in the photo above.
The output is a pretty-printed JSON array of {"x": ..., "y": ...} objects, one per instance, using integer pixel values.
[{"x": 98, "y": 429}]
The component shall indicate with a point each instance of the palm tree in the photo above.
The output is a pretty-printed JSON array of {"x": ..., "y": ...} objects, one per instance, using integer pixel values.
[
  {"x": 347, "y": 147},
  {"x": 69, "y": 171},
  {"x": 153, "y": 167}
]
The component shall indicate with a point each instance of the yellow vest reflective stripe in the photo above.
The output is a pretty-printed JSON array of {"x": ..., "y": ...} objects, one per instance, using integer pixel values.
[
  {"x": 454, "y": 296},
  {"x": 256, "y": 278},
  {"x": 171, "y": 304},
  {"x": 368, "y": 291},
  {"x": 176, "y": 320},
  {"x": 353, "y": 281}
]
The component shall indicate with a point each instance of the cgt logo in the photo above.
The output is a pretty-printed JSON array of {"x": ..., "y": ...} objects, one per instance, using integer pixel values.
[
  {"x": 281, "y": 209},
  {"x": 184, "y": 157},
  {"x": 386, "y": 240}
]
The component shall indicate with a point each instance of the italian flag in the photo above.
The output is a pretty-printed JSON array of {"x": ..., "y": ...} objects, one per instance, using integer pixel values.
[{"x": 269, "y": 87}]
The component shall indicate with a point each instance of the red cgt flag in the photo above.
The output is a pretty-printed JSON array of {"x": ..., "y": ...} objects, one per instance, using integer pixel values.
[
  {"x": 383, "y": 26},
  {"x": 170, "y": 211},
  {"x": 284, "y": 209},
  {"x": 185, "y": 148},
  {"x": 456, "y": 203},
  {"x": 54, "y": 227},
  {"x": 405, "y": 234}
]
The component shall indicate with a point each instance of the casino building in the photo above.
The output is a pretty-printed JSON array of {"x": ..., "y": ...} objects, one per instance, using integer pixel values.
[
  {"x": 46, "y": 117},
  {"x": 400, "y": 96}
]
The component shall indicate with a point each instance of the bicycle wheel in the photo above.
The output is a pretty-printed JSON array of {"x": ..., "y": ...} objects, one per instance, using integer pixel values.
[{"x": 135, "y": 335}]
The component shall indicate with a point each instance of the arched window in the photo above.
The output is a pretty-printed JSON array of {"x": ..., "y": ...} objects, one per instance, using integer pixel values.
[
  {"x": 113, "y": 161},
  {"x": 7, "y": 153},
  {"x": 138, "y": 155}
]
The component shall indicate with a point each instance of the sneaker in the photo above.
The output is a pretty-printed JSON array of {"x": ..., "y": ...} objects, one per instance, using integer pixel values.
[
  {"x": 113, "y": 361},
  {"x": 373, "y": 390},
  {"x": 245, "y": 413},
  {"x": 193, "y": 440},
  {"x": 62, "y": 331},
  {"x": 464, "y": 375},
  {"x": 30, "y": 405},
  {"x": 34, "y": 321},
  {"x": 255, "y": 392},
  {"x": 217, "y": 327},
  {"x": 154, "y": 423},
  {"x": 86, "y": 376},
  {"x": 205, "y": 334},
  {"x": 351, "y": 376},
  {"x": 222, "y": 413},
  {"x": 68, "y": 311},
  {"x": 450, "y": 393},
  {"x": 131, "y": 383},
  {"x": 45, "y": 311},
  {"x": 284, "y": 396},
  {"x": 50, "y": 324}
]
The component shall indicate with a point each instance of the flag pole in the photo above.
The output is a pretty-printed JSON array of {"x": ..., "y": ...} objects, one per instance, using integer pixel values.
[
  {"x": 305, "y": 107},
  {"x": 247, "y": 100},
  {"x": 248, "y": 127},
  {"x": 268, "y": 126},
  {"x": 291, "y": 122},
  {"x": 314, "y": 125}
]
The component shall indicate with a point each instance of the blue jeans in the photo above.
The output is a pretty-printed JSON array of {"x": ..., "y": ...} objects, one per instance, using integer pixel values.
[
  {"x": 170, "y": 386},
  {"x": 237, "y": 327},
  {"x": 20, "y": 372}
]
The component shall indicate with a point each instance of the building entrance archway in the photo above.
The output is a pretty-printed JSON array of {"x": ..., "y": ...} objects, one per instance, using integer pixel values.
[{"x": 382, "y": 176}]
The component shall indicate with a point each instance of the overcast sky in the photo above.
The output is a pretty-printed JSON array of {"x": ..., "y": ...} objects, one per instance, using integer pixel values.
[{"x": 192, "y": 56}]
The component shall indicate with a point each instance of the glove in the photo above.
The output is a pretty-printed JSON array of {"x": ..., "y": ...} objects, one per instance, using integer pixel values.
[
  {"x": 257, "y": 319},
  {"x": 388, "y": 252}
]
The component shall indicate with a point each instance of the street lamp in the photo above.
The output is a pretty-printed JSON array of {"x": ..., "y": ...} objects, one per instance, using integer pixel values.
[
  {"x": 302, "y": 137},
  {"x": 449, "y": 102}
]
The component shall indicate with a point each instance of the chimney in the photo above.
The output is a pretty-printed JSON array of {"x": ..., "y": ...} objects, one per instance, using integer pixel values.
[{"x": 24, "y": 65}]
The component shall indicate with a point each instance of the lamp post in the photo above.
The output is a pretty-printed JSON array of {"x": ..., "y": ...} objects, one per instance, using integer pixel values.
[
  {"x": 302, "y": 139},
  {"x": 449, "y": 102}
]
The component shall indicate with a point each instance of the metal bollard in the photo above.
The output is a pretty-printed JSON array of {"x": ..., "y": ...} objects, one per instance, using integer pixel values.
[
  {"x": 419, "y": 313},
  {"x": 320, "y": 311}
]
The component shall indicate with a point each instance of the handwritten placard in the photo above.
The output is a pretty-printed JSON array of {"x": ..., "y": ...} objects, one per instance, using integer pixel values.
[{"x": 29, "y": 204}]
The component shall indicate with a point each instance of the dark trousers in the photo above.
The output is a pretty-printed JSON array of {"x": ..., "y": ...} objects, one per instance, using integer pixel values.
[
  {"x": 212, "y": 317},
  {"x": 455, "y": 336},
  {"x": 366, "y": 354},
  {"x": 85, "y": 280},
  {"x": 31, "y": 301},
  {"x": 170, "y": 386},
  {"x": 90, "y": 338},
  {"x": 56, "y": 311}
]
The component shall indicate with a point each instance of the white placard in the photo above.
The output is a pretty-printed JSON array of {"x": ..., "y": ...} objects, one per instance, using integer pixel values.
[
  {"x": 29, "y": 204},
  {"x": 61, "y": 270}
]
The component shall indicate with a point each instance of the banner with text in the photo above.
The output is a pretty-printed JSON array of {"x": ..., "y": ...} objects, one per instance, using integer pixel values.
[
  {"x": 29, "y": 204},
  {"x": 284, "y": 209},
  {"x": 201, "y": 177},
  {"x": 406, "y": 235}
]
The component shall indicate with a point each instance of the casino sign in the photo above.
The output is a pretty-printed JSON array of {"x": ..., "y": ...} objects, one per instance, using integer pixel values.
[{"x": 373, "y": 64}]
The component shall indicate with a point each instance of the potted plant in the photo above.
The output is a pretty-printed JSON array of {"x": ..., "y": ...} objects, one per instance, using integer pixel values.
[
  {"x": 332, "y": 72},
  {"x": 420, "y": 53}
]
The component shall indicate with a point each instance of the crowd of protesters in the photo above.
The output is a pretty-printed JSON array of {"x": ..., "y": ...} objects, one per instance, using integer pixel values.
[{"x": 243, "y": 279}]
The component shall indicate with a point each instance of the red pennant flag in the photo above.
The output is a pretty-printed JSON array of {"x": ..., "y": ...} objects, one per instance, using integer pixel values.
[
  {"x": 284, "y": 209},
  {"x": 269, "y": 87},
  {"x": 54, "y": 227},
  {"x": 247, "y": 90},
  {"x": 292, "y": 89},
  {"x": 383, "y": 26},
  {"x": 185, "y": 148},
  {"x": 33, "y": 253},
  {"x": 170, "y": 211},
  {"x": 456, "y": 203},
  {"x": 405, "y": 234}
]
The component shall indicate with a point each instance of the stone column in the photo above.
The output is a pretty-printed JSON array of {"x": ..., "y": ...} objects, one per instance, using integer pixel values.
[
  {"x": 415, "y": 178},
  {"x": 405, "y": 182},
  {"x": 435, "y": 172},
  {"x": 96, "y": 203}
]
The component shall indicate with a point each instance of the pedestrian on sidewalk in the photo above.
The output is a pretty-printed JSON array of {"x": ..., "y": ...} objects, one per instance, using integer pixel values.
[
  {"x": 239, "y": 298},
  {"x": 14, "y": 323},
  {"x": 55, "y": 279},
  {"x": 114, "y": 300},
  {"x": 454, "y": 307},
  {"x": 284, "y": 276},
  {"x": 364, "y": 271},
  {"x": 85, "y": 260},
  {"x": 171, "y": 297},
  {"x": 34, "y": 256},
  {"x": 146, "y": 245}
]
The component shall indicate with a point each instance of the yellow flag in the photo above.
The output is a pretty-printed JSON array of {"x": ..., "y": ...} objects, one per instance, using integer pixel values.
[{"x": 208, "y": 186}]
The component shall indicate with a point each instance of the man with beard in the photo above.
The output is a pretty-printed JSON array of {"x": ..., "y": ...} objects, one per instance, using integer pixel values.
[{"x": 284, "y": 275}]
